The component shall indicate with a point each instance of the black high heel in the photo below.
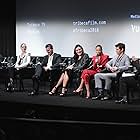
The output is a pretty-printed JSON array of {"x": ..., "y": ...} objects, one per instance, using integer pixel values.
[
  {"x": 78, "y": 92},
  {"x": 53, "y": 91},
  {"x": 10, "y": 88},
  {"x": 63, "y": 93}
]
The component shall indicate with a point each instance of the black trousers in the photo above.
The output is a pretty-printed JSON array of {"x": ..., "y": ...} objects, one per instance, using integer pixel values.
[
  {"x": 11, "y": 72},
  {"x": 16, "y": 74},
  {"x": 125, "y": 83},
  {"x": 51, "y": 75}
]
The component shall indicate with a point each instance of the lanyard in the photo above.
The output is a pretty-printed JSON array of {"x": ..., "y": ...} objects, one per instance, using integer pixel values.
[{"x": 119, "y": 58}]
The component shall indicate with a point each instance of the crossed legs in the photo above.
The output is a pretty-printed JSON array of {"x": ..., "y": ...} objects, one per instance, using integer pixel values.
[{"x": 63, "y": 80}]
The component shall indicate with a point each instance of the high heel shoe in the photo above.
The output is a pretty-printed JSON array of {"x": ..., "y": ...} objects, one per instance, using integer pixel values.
[
  {"x": 87, "y": 97},
  {"x": 122, "y": 101},
  {"x": 78, "y": 92},
  {"x": 53, "y": 91},
  {"x": 63, "y": 93},
  {"x": 10, "y": 87}
]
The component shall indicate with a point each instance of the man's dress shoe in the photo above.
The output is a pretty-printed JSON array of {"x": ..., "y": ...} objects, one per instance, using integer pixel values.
[
  {"x": 121, "y": 101},
  {"x": 106, "y": 98},
  {"x": 97, "y": 97},
  {"x": 32, "y": 93}
]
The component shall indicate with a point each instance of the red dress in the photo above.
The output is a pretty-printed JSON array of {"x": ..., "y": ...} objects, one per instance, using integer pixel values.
[{"x": 98, "y": 64}]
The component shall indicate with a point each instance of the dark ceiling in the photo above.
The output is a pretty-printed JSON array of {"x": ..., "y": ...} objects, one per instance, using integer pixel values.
[{"x": 66, "y": 8}]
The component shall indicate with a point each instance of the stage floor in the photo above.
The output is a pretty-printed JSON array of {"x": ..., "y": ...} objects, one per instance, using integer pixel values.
[
  {"x": 37, "y": 117},
  {"x": 70, "y": 100},
  {"x": 71, "y": 113}
]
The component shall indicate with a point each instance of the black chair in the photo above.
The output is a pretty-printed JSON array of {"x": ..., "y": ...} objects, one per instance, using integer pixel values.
[
  {"x": 132, "y": 89},
  {"x": 22, "y": 74}
]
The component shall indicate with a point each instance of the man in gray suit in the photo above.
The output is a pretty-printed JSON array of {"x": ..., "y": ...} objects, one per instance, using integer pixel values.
[{"x": 115, "y": 66}]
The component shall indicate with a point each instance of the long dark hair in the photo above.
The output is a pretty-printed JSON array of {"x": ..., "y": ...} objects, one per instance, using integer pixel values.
[{"x": 75, "y": 54}]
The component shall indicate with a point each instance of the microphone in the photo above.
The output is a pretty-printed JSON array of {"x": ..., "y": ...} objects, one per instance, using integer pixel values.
[
  {"x": 64, "y": 60},
  {"x": 4, "y": 61},
  {"x": 37, "y": 61},
  {"x": 30, "y": 63},
  {"x": 32, "y": 60},
  {"x": 63, "y": 64}
]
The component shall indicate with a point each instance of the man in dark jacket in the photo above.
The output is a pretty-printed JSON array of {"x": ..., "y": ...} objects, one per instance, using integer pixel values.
[{"x": 49, "y": 65}]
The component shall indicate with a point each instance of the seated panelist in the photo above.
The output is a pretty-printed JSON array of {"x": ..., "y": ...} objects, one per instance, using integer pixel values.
[
  {"x": 98, "y": 63},
  {"x": 80, "y": 61},
  {"x": 118, "y": 64},
  {"x": 22, "y": 61},
  {"x": 50, "y": 65}
]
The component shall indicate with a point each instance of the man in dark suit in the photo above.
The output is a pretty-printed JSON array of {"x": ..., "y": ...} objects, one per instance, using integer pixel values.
[{"x": 50, "y": 65}]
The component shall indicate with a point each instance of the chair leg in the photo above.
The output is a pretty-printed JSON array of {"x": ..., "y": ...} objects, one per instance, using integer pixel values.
[
  {"x": 115, "y": 90},
  {"x": 132, "y": 94},
  {"x": 128, "y": 91},
  {"x": 21, "y": 86}
]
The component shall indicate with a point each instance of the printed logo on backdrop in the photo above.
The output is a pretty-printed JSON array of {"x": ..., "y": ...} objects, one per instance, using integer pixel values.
[
  {"x": 90, "y": 26},
  {"x": 135, "y": 25}
]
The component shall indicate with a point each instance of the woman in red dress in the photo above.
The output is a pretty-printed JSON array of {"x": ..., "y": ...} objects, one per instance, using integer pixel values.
[{"x": 98, "y": 63}]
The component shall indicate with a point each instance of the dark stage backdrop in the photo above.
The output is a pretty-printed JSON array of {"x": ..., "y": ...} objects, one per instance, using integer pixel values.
[
  {"x": 7, "y": 28},
  {"x": 65, "y": 23}
]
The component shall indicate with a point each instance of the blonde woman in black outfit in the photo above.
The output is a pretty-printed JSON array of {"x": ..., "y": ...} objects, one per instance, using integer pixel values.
[{"x": 23, "y": 60}]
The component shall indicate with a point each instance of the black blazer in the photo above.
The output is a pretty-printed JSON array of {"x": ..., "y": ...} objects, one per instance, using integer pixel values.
[
  {"x": 82, "y": 63},
  {"x": 55, "y": 63}
]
